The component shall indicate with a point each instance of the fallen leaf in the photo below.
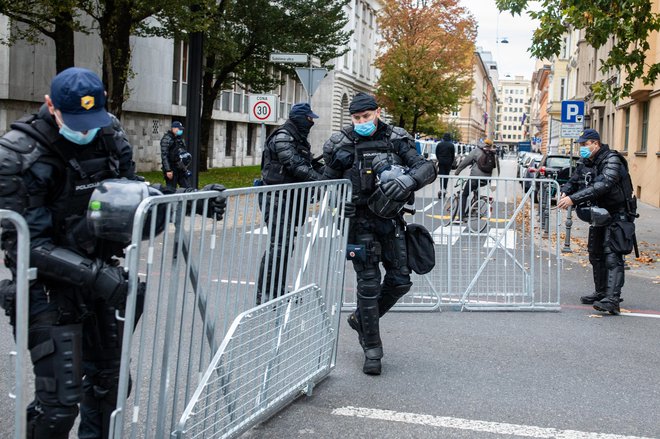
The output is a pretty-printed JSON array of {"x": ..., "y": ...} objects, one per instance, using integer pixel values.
[
  {"x": 625, "y": 310},
  {"x": 595, "y": 316}
]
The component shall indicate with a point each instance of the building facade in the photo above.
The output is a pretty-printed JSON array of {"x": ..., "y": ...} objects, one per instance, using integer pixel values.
[
  {"x": 513, "y": 110},
  {"x": 158, "y": 90},
  {"x": 474, "y": 118}
]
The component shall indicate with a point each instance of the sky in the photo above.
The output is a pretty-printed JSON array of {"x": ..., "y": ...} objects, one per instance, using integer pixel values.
[{"x": 512, "y": 58}]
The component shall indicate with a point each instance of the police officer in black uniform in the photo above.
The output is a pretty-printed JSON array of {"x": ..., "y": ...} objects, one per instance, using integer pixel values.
[
  {"x": 50, "y": 164},
  {"x": 287, "y": 158},
  {"x": 601, "y": 190},
  {"x": 175, "y": 158},
  {"x": 360, "y": 152}
]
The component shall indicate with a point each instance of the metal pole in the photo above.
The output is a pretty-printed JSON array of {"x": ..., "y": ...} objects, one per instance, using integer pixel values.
[
  {"x": 194, "y": 103},
  {"x": 309, "y": 81}
]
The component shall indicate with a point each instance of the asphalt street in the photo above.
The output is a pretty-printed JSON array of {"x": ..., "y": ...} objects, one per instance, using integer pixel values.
[{"x": 571, "y": 374}]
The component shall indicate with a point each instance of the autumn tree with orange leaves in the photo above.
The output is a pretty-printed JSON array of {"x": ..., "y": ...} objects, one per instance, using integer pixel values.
[{"x": 425, "y": 57}]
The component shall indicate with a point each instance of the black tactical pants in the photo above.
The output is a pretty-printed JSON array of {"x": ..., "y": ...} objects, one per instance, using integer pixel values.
[
  {"x": 180, "y": 178},
  {"x": 384, "y": 241},
  {"x": 607, "y": 265},
  {"x": 76, "y": 350},
  {"x": 282, "y": 219}
]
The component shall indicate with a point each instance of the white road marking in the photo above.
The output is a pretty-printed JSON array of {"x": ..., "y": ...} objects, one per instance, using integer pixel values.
[
  {"x": 509, "y": 240},
  {"x": 474, "y": 425},
  {"x": 234, "y": 282},
  {"x": 442, "y": 234},
  {"x": 638, "y": 314},
  {"x": 430, "y": 206}
]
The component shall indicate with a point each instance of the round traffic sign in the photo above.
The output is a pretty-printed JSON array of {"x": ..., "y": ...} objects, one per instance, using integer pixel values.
[{"x": 261, "y": 110}]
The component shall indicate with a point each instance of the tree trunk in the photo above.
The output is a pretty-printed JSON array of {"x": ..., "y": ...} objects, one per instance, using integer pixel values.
[
  {"x": 402, "y": 121},
  {"x": 208, "y": 98},
  {"x": 115, "y": 30},
  {"x": 63, "y": 37},
  {"x": 414, "y": 123}
]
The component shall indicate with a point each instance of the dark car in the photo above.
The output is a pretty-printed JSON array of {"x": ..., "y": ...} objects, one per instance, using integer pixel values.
[{"x": 558, "y": 167}]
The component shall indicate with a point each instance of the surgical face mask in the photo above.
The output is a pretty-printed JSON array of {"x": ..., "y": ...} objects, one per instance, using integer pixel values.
[
  {"x": 179, "y": 132},
  {"x": 365, "y": 129},
  {"x": 585, "y": 152},
  {"x": 76, "y": 137}
]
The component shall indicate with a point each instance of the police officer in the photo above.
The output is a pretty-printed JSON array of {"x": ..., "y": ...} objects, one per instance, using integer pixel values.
[
  {"x": 175, "y": 158},
  {"x": 602, "y": 182},
  {"x": 360, "y": 152},
  {"x": 287, "y": 158},
  {"x": 50, "y": 164}
]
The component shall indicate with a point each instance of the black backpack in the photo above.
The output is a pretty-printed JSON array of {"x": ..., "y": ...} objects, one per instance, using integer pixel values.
[{"x": 486, "y": 161}]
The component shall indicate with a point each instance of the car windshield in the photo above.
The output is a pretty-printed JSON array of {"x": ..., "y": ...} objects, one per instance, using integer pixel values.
[{"x": 558, "y": 162}]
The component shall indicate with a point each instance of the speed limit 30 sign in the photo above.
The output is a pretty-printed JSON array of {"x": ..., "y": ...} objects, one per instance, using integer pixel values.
[{"x": 262, "y": 108}]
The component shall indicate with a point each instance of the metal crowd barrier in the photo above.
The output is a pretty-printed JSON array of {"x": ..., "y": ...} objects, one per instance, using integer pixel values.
[
  {"x": 10, "y": 220},
  {"x": 504, "y": 256},
  {"x": 204, "y": 360}
]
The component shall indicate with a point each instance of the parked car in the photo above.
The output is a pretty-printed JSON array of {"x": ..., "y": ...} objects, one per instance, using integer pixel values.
[
  {"x": 558, "y": 167},
  {"x": 530, "y": 171}
]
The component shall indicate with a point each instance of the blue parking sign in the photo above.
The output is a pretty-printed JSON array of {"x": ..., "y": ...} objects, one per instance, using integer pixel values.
[{"x": 572, "y": 111}]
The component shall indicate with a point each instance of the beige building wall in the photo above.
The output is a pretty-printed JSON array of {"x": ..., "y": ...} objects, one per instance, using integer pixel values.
[
  {"x": 636, "y": 132},
  {"x": 471, "y": 116}
]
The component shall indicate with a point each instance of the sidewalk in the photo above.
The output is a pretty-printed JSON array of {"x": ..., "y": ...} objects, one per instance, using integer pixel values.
[{"x": 646, "y": 227}]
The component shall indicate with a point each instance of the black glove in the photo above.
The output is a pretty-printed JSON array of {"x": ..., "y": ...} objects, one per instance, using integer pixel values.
[
  {"x": 349, "y": 209},
  {"x": 218, "y": 204},
  {"x": 111, "y": 285},
  {"x": 400, "y": 188}
]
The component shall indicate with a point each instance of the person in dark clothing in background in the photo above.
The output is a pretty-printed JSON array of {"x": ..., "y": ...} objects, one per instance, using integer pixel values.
[
  {"x": 175, "y": 158},
  {"x": 287, "y": 158},
  {"x": 444, "y": 154},
  {"x": 602, "y": 192}
]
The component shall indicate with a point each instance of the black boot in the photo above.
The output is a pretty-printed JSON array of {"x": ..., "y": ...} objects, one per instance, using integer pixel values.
[
  {"x": 608, "y": 304},
  {"x": 354, "y": 322},
  {"x": 591, "y": 298},
  {"x": 372, "y": 358}
]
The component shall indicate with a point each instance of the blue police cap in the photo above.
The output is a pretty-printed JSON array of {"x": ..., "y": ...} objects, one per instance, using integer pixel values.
[
  {"x": 588, "y": 134},
  {"x": 302, "y": 109},
  {"x": 79, "y": 95}
]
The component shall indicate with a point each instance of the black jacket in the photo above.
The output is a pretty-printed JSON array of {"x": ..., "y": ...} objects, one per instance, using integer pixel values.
[
  {"x": 170, "y": 145},
  {"x": 287, "y": 157},
  {"x": 606, "y": 187},
  {"x": 445, "y": 152}
]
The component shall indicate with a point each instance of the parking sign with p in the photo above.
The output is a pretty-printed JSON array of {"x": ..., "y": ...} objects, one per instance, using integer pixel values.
[{"x": 572, "y": 111}]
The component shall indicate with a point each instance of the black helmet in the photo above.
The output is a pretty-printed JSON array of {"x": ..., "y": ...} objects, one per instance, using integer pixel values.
[
  {"x": 112, "y": 208},
  {"x": 387, "y": 168},
  {"x": 185, "y": 157},
  {"x": 384, "y": 207},
  {"x": 594, "y": 215}
]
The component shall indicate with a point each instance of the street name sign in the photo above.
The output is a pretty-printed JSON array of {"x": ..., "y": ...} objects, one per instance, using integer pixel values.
[
  {"x": 294, "y": 58},
  {"x": 262, "y": 108}
]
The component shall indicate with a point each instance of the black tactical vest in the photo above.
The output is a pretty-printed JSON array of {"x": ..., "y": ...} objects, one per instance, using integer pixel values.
[
  {"x": 81, "y": 169},
  {"x": 361, "y": 174}
]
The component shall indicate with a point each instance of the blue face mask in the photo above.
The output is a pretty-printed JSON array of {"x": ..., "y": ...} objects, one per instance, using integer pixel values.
[
  {"x": 585, "y": 152},
  {"x": 365, "y": 129},
  {"x": 77, "y": 136},
  {"x": 179, "y": 132}
]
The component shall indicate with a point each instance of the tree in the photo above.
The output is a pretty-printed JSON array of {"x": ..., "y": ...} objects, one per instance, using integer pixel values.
[
  {"x": 426, "y": 60},
  {"x": 240, "y": 35},
  {"x": 628, "y": 23},
  {"x": 55, "y": 19}
]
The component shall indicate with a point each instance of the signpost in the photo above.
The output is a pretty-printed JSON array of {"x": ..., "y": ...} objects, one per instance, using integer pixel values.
[
  {"x": 309, "y": 76},
  {"x": 261, "y": 109}
]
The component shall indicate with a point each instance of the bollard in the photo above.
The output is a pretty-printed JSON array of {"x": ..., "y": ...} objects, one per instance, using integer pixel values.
[{"x": 569, "y": 224}]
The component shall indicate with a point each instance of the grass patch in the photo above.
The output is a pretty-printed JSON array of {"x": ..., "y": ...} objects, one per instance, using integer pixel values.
[{"x": 239, "y": 176}]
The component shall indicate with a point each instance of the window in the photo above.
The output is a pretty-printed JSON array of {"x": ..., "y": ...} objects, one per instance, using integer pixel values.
[
  {"x": 627, "y": 130},
  {"x": 251, "y": 128},
  {"x": 180, "y": 73},
  {"x": 562, "y": 88},
  {"x": 645, "y": 126},
  {"x": 229, "y": 138}
]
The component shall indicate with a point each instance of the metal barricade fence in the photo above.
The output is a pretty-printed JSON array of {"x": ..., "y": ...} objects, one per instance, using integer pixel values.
[
  {"x": 502, "y": 255},
  {"x": 12, "y": 221},
  {"x": 204, "y": 360}
]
